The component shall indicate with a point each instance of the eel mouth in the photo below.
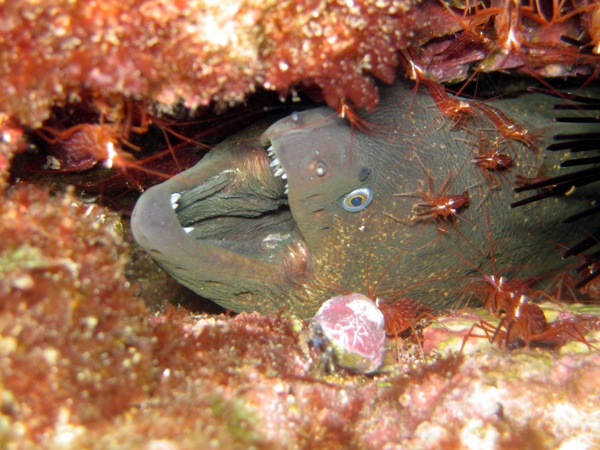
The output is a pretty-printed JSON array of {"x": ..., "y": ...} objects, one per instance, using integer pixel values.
[
  {"x": 224, "y": 227},
  {"x": 242, "y": 208}
]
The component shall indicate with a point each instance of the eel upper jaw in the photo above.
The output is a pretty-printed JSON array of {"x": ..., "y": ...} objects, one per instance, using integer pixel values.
[{"x": 277, "y": 168}]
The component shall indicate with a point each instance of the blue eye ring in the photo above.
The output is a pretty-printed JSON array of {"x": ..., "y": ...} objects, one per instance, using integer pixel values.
[{"x": 357, "y": 200}]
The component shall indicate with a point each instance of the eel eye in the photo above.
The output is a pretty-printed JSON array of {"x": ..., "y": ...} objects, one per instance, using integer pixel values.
[{"x": 357, "y": 200}]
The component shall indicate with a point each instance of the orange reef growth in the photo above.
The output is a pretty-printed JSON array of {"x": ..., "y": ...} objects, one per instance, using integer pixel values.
[
  {"x": 84, "y": 363},
  {"x": 197, "y": 53},
  {"x": 69, "y": 323}
]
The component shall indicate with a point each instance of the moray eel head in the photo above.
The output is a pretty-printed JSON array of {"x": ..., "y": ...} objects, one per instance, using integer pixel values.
[{"x": 238, "y": 228}]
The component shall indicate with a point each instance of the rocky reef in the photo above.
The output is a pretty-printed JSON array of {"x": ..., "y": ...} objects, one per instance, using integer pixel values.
[
  {"x": 86, "y": 365},
  {"x": 197, "y": 53},
  {"x": 92, "y": 353}
]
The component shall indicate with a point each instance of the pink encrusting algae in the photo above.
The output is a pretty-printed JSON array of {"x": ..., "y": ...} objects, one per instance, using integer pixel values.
[{"x": 354, "y": 327}]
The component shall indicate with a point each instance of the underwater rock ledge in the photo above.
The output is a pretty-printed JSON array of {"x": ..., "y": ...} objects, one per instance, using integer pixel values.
[
  {"x": 196, "y": 51},
  {"x": 82, "y": 365},
  {"x": 164, "y": 54}
]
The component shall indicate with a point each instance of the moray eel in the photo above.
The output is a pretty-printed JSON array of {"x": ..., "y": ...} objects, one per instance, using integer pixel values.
[{"x": 291, "y": 213}]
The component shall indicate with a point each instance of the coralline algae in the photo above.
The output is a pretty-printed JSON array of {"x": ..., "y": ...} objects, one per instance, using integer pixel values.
[{"x": 354, "y": 328}]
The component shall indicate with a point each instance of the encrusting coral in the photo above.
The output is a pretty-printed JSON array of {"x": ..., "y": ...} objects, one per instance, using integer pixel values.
[
  {"x": 198, "y": 51},
  {"x": 69, "y": 322}
]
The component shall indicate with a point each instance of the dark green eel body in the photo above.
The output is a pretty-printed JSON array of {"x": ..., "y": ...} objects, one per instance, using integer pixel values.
[{"x": 227, "y": 229}]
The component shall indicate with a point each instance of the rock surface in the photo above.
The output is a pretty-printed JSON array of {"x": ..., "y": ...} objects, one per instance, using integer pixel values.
[{"x": 84, "y": 365}]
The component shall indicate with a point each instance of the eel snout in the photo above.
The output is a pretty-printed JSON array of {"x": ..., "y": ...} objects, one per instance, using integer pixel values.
[{"x": 153, "y": 222}]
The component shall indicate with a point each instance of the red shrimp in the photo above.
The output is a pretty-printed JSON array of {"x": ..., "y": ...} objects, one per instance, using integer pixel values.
[
  {"x": 347, "y": 111},
  {"x": 439, "y": 207},
  {"x": 491, "y": 159},
  {"x": 525, "y": 325},
  {"x": 451, "y": 107},
  {"x": 508, "y": 128},
  {"x": 528, "y": 328},
  {"x": 522, "y": 322},
  {"x": 88, "y": 144},
  {"x": 402, "y": 314},
  {"x": 460, "y": 109}
]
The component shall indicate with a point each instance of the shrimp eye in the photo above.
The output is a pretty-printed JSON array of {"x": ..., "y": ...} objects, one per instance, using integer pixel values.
[{"x": 357, "y": 200}]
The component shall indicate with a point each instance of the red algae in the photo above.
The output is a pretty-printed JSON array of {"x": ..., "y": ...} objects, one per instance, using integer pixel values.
[
  {"x": 69, "y": 322},
  {"x": 84, "y": 363},
  {"x": 196, "y": 51}
]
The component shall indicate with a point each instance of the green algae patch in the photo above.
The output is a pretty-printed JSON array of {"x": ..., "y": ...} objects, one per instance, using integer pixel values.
[
  {"x": 238, "y": 419},
  {"x": 28, "y": 258}
]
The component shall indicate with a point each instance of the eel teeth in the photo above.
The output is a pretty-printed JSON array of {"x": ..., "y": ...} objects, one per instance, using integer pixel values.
[
  {"x": 175, "y": 196},
  {"x": 188, "y": 230},
  {"x": 287, "y": 189},
  {"x": 275, "y": 164}
]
